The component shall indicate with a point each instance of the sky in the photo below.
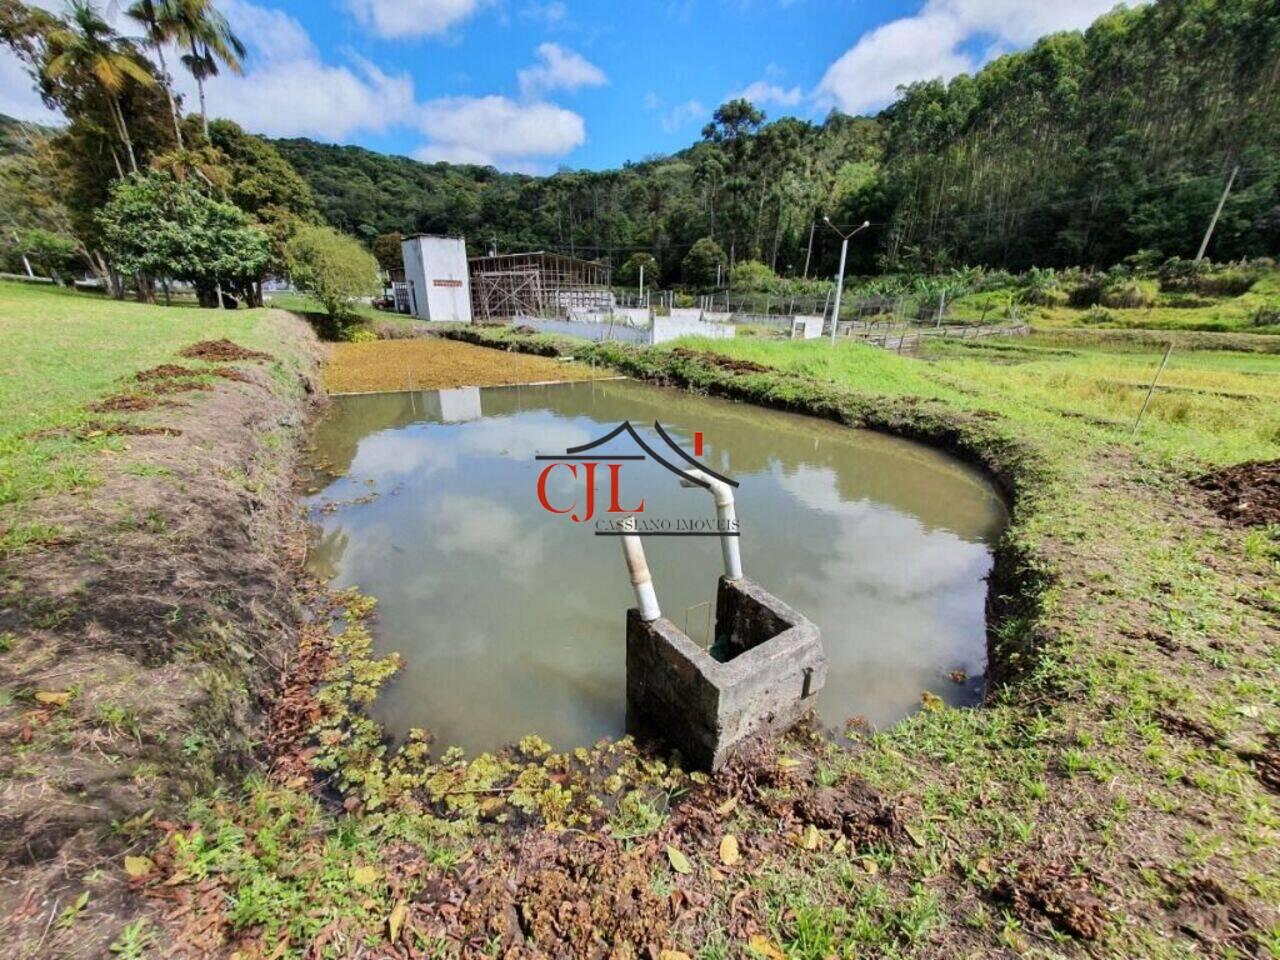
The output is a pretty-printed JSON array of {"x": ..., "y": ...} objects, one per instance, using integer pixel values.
[{"x": 536, "y": 85}]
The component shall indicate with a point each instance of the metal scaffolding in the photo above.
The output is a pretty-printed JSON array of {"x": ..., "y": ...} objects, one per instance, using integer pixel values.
[{"x": 538, "y": 284}]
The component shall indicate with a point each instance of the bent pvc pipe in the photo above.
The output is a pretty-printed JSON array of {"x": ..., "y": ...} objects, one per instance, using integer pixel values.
[
  {"x": 638, "y": 568},
  {"x": 726, "y": 519}
]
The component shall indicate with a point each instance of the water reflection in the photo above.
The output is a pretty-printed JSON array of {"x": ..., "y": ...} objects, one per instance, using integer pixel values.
[{"x": 511, "y": 620}]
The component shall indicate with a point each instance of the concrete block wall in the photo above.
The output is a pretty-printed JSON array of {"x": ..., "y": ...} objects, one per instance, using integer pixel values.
[{"x": 770, "y": 665}]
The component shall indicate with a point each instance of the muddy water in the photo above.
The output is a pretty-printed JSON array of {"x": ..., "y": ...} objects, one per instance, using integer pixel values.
[{"x": 511, "y": 619}]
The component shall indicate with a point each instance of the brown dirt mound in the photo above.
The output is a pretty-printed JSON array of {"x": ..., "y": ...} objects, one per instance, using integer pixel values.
[
  {"x": 1219, "y": 920},
  {"x": 1052, "y": 891},
  {"x": 222, "y": 351},
  {"x": 854, "y": 809},
  {"x": 719, "y": 361},
  {"x": 123, "y": 403},
  {"x": 1247, "y": 494},
  {"x": 166, "y": 371}
]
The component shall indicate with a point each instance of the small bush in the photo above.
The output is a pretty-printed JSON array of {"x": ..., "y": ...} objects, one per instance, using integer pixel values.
[
  {"x": 753, "y": 275},
  {"x": 1130, "y": 295},
  {"x": 1231, "y": 282},
  {"x": 359, "y": 335},
  {"x": 1099, "y": 315},
  {"x": 1267, "y": 316},
  {"x": 1044, "y": 297},
  {"x": 1087, "y": 293},
  {"x": 335, "y": 270}
]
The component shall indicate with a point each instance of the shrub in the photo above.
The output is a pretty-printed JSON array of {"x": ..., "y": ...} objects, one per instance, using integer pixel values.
[
  {"x": 359, "y": 335},
  {"x": 1130, "y": 295},
  {"x": 335, "y": 270},
  {"x": 1231, "y": 282},
  {"x": 1099, "y": 315},
  {"x": 753, "y": 275},
  {"x": 703, "y": 262},
  {"x": 1087, "y": 293},
  {"x": 1266, "y": 316},
  {"x": 629, "y": 272}
]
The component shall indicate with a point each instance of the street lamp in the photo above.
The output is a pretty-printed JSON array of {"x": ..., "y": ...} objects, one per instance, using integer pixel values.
[{"x": 844, "y": 256}]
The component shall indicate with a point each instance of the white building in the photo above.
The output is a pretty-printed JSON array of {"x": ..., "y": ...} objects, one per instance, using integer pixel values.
[{"x": 438, "y": 278}]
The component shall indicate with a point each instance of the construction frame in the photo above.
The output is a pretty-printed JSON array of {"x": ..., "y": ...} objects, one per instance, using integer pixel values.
[{"x": 539, "y": 284}]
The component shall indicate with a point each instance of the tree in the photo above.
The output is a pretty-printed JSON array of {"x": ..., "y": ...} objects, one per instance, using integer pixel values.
[
  {"x": 703, "y": 263},
  {"x": 85, "y": 46},
  {"x": 335, "y": 270},
  {"x": 387, "y": 250},
  {"x": 210, "y": 41},
  {"x": 162, "y": 20},
  {"x": 629, "y": 272},
  {"x": 157, "y": 226},
  {"x": 753, "y": 275}
]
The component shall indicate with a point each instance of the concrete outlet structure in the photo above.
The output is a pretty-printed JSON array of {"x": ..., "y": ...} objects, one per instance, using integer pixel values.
[{"x": 769, "y": 664}]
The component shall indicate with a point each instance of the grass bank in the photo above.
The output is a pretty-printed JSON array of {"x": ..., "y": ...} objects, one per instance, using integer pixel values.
[{"x": 146, "y": 587}]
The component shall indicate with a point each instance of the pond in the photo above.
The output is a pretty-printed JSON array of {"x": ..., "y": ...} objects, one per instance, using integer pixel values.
[{"x": 511, "y": 618}]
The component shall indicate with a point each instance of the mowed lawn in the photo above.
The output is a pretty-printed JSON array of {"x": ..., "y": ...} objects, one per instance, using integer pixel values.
[{"x": 60, "y": 351}]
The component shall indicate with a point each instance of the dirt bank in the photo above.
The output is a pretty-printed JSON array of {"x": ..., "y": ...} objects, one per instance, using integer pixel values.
[
  {"x": 434, "y": 364},
  {"x": 144, "y": 639}
]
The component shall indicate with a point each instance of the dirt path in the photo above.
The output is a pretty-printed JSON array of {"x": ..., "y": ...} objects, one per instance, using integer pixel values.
[{"x": 431, "y": 364}]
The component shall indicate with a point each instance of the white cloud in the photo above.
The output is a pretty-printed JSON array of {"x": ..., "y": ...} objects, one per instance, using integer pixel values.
[
  {"x": 553, "y": 13},
  {"x": 306, "y": 97},
  {"x": 498, "y": 131},
  {"x": 682, "y": 114},
  {"x": 931, "y": 44},
  {"x": 559, "y": 69},
  {"x": 18, "y": 97},
  {"x": 762, "y": 91},
  {"x": 395, "y": 19}
]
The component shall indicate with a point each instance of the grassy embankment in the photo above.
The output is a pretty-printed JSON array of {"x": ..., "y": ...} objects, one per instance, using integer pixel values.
[
  {"x": 1114, "y": 795},
  {"x": 1256, "y": 311},
  {"x": 145, "y": 593},
  {"x": 64, "y": 350}
]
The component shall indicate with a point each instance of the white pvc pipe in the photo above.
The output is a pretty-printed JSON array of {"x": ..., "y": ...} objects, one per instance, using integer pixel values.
[
  {"x": 638, "y": 568},
  {"x": 726, "y": 518}
]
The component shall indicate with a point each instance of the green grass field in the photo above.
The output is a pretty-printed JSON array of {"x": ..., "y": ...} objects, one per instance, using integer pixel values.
[
  {"x": 1217, "y": 406},
  {"x": 61, "y": 350},
  {"x": 1226, "y": 315}
]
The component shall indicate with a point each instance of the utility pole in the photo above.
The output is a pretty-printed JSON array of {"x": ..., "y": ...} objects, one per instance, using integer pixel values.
[
  {"x": 844, "y": 256},
  {"x": 642, "y": 282},
  {"x": 1222, "y": 202},
  {"x": 813, "y": 225}
]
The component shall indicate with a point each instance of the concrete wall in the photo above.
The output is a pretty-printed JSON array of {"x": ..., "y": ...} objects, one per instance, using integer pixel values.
[
  {"x": 588, "y": 331},
  {"x": 709, "y": 708},
  {"x": 663, "y": 330},
  {"x": 437, "y": 268},
  {"x": 806, "y": 327},
  {"x": 673, "y": 328}
]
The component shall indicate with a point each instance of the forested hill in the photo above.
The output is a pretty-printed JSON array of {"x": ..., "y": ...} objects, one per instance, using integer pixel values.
[
  {"x": 1087, "y": 148},
  {"x": 754, "y": 187}
]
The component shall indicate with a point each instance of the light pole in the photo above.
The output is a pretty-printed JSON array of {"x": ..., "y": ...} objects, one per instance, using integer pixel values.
[{"x": 844, "y": 256}]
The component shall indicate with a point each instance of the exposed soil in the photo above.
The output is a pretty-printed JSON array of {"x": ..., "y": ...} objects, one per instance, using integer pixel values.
[
  {"x": 1247, "y": 494},
  {"x": 1057, "y": 891},
  {"x": 144, "y": 643},
  {"x": 124, "y": 403},
  {"x": 222, "y": 351},
  {"x": 719, "y": 361},
  {"x": 435, "y": 364}
]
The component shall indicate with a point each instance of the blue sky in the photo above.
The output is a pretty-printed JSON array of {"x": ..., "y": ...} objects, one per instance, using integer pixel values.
[{"x": 537, "y": 84}]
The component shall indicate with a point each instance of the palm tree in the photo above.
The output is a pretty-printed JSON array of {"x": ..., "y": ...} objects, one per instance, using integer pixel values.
[
  {"x": 209, "y": 39},
  {"x": 85, "y": 46},
  {"x": 162, "y": 21}
]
